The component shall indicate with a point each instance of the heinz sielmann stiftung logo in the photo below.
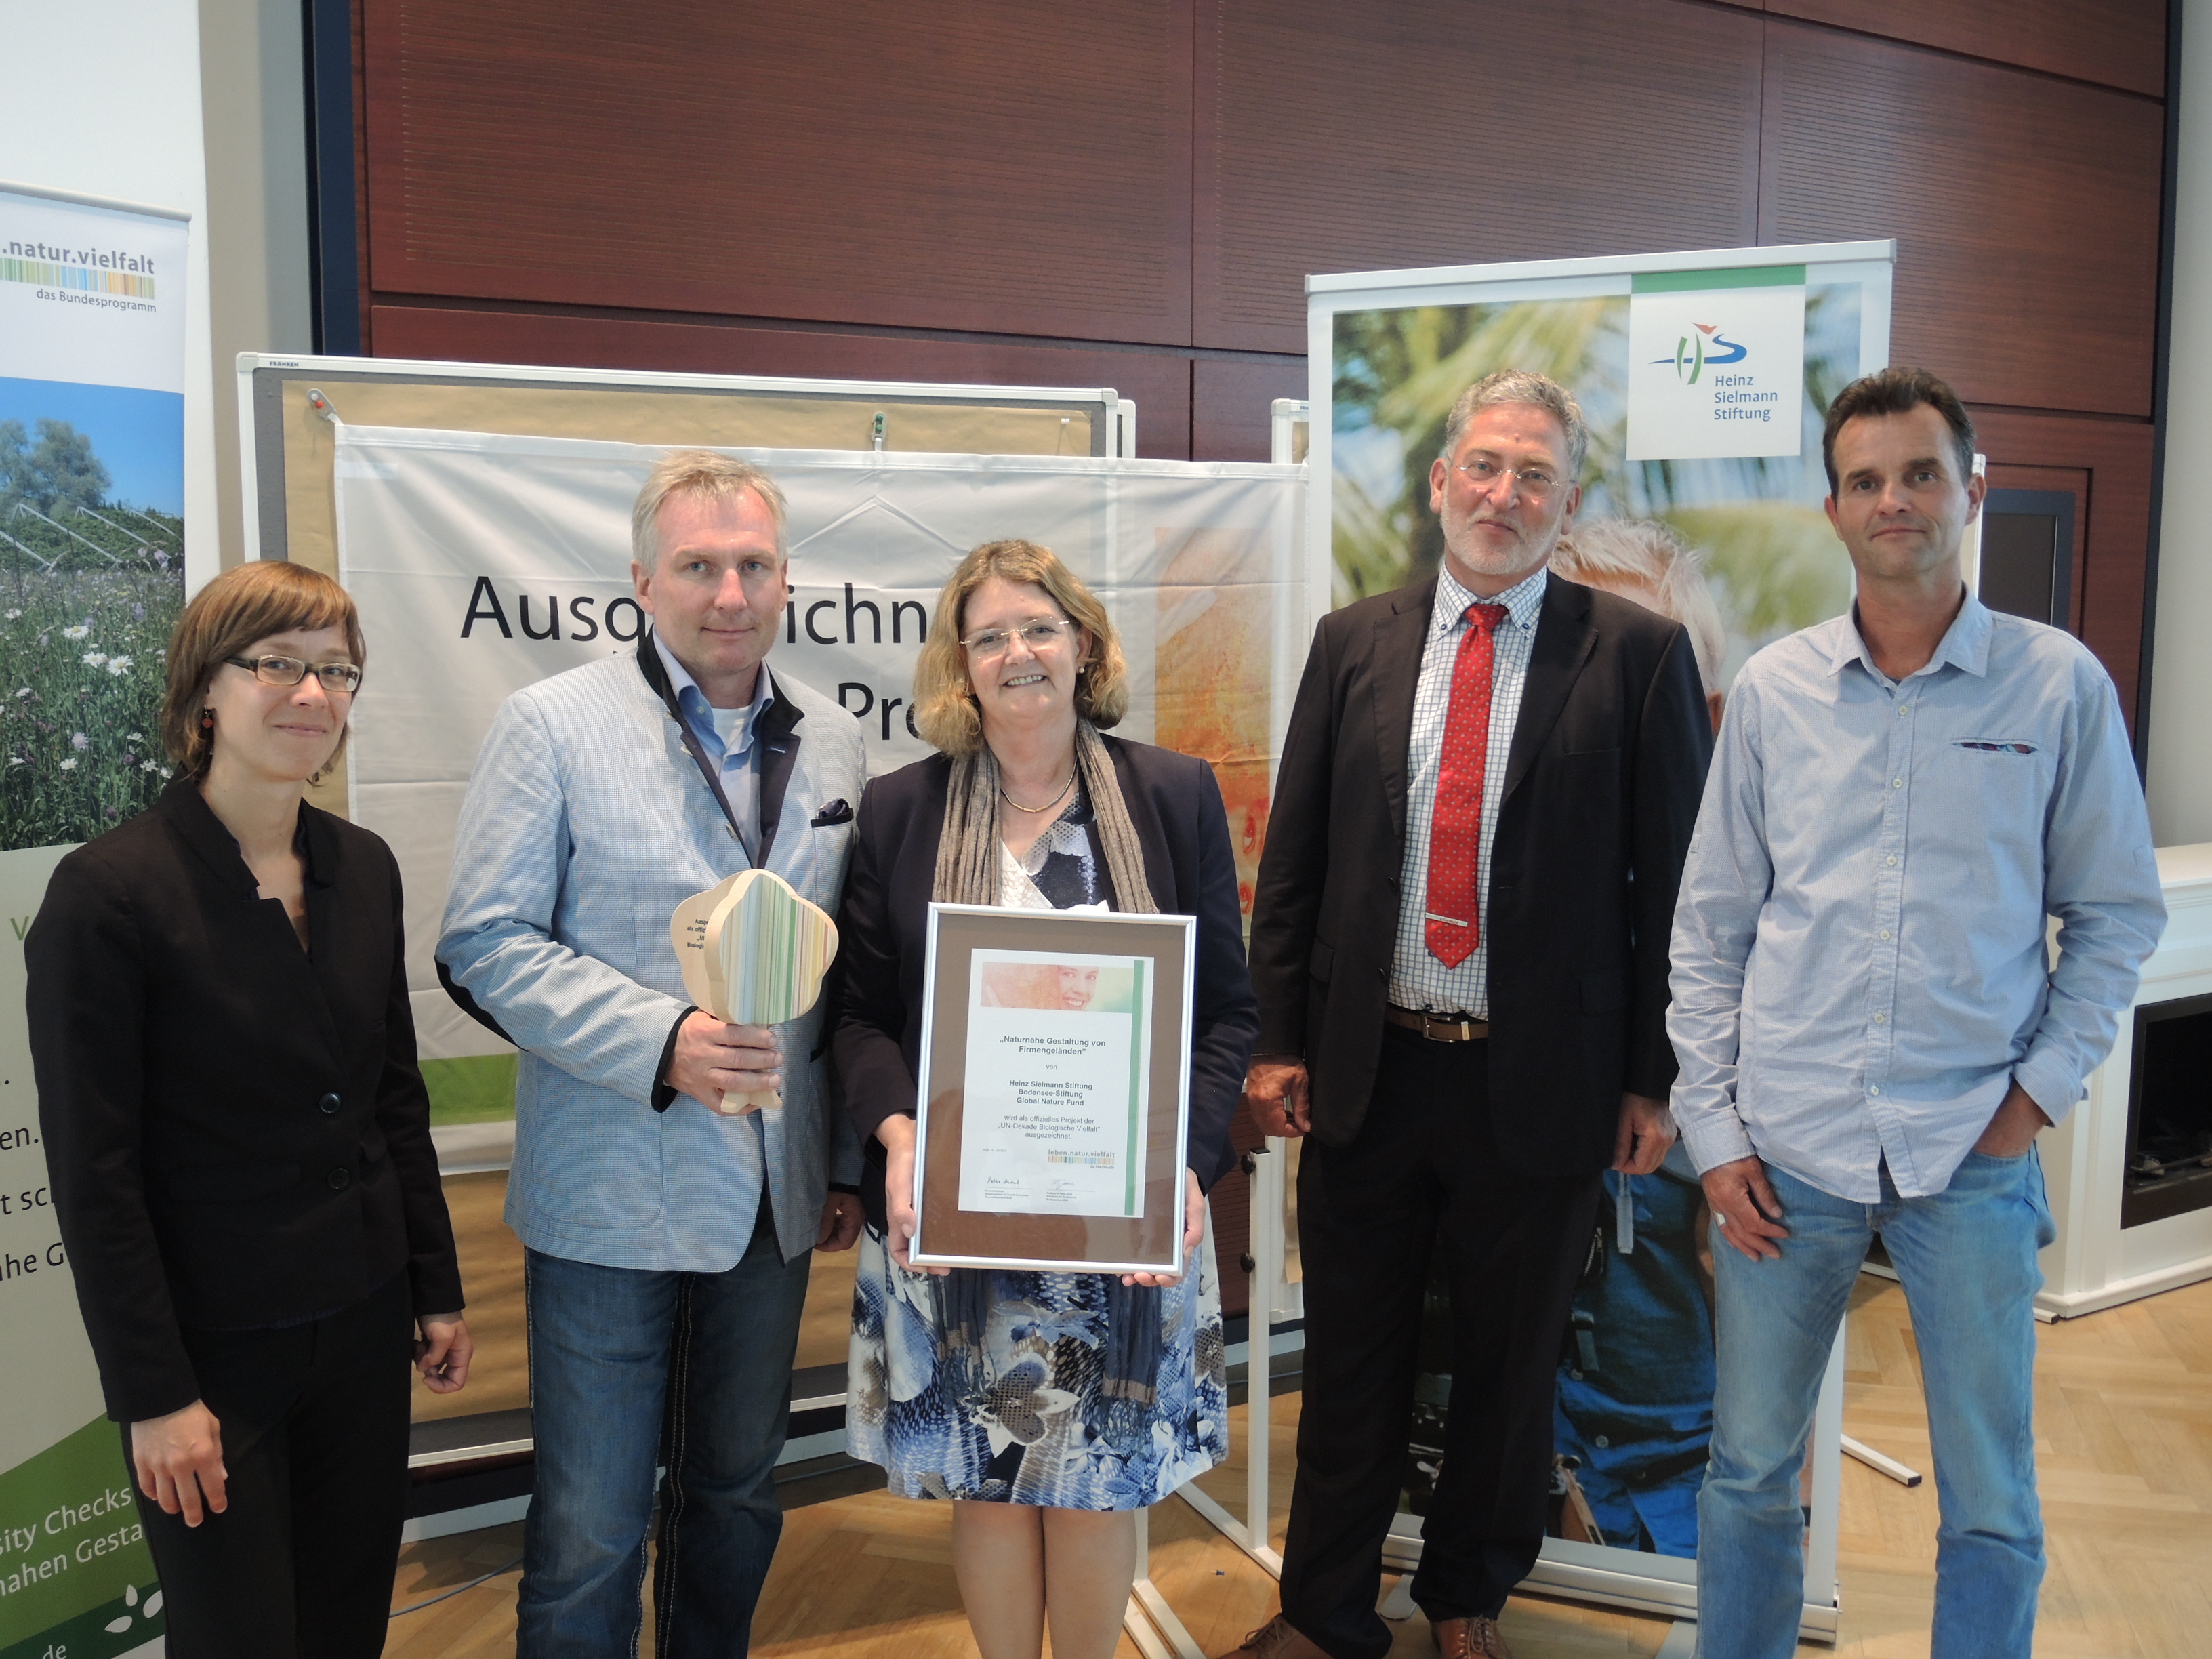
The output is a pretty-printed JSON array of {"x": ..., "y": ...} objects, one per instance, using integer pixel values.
[
  {"x": 1691, "y": 356},
  {"x": 1735, "y": 397}
]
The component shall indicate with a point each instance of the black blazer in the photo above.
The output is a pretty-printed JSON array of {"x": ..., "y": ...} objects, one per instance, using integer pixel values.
[
  {"x": 1175, "y": 805},
  {"x": 1602, "y": 784},
  {"x": 236, "y": 1133}
]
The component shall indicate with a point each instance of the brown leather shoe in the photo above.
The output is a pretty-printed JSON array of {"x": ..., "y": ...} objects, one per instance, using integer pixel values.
[
  {"x": 1276, "y": 1640},
  {"x": 1469, "y": 1639}
]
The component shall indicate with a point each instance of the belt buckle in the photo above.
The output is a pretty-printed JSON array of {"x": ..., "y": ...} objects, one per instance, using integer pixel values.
[{"x": 1444, "y": 1030}]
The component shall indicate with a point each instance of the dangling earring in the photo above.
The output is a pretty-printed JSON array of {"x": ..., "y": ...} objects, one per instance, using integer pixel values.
[{"x": 206, "y": 720}]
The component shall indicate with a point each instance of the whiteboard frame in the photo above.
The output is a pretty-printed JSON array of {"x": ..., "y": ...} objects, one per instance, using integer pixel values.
[{"x": 1119, "y": 414}]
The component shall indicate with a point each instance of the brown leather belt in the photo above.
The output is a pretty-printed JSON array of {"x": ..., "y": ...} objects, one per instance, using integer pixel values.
[{"x": 1436, "y": 1027}]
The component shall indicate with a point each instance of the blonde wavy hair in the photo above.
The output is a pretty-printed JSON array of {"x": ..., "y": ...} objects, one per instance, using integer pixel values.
[{"x": 945, "y": 708}]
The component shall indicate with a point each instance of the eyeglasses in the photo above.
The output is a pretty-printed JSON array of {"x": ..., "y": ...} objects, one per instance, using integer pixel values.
[
  {"x": 336, "y": 677},
  {"x": 1534, "y": 481},
  {"x": 1040, "y": 636}
]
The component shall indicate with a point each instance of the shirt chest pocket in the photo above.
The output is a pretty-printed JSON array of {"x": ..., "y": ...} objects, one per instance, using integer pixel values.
[
  {"x": 1993, "y": 793},
  {"x": 2010, "y": 766}
]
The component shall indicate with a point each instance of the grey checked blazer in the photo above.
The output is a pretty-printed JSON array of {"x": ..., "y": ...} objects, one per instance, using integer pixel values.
[{"x": 586, "y": 824}]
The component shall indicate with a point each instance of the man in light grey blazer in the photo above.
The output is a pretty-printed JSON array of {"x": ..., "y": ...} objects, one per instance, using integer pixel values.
[{"x": 668, "y": 1245}]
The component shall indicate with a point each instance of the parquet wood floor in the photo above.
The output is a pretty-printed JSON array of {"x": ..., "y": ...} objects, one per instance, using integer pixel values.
[{"x": 2124, "y": 1448}]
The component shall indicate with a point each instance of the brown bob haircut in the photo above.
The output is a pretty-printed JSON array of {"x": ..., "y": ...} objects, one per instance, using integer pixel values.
[
  {"x": 945, "y": 710},
  {"x": 1898, "y": 391},
  {"x": 246, "y": 603}
]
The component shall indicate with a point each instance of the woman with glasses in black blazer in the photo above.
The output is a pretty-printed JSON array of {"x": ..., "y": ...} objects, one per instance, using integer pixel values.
[{"x": 239, "y": 1141}]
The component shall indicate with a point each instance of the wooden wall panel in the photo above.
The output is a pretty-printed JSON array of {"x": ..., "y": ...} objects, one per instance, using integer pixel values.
[
  {"x": 1334, "y": 137},
  {"x": 2025, "y": 211},
  {"x": 993, "y": 165},
  {"x": 1159, "y": 381},
  {"x": 2110, "y": 585},
  {"x": 1229, "y": 406},
  {"x": 2115, "y": 43},
  {"x": 1162, "y": 176}
]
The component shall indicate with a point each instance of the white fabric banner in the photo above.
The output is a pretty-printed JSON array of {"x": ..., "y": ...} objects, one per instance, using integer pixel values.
[{"x": 483, "y": 564}]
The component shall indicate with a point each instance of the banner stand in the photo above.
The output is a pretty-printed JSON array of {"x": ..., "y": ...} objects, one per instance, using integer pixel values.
[
  {"x": 93, "y": 320},
  {"x": 1704, "y": 376},
  {"x": 1150, "y": 1620},
  {"x": 1251, "y": 1534},
  {"x": 1578, "y": 1572},
  {"x": 1668, "y": 1584}
]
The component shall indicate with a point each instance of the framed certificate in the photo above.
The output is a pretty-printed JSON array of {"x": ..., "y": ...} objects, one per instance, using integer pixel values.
[{"x": 1053, "y": 1101}]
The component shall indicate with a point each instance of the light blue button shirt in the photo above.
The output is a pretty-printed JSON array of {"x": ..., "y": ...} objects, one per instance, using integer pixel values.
[
  {"x": 1859, "y": 958},
  {"x": 726, "y": 734}
]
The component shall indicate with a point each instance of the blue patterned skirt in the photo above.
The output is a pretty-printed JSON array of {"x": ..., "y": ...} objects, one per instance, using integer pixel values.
[{"x": 1042, "y": 1430}]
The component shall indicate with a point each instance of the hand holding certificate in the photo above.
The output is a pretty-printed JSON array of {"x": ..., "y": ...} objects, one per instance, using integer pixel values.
[
  {"x": 1054, "y": 1090},
  {"x": 753, "y": 952}
]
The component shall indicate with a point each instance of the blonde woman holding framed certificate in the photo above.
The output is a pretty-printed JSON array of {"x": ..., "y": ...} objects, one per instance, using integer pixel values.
[{"x": 1048, "y": 1407}]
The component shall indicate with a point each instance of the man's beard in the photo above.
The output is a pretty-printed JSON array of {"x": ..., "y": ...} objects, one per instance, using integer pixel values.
[{"x": 1489, "y": 558}]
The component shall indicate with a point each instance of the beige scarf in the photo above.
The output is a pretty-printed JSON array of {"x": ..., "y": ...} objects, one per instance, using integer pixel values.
[{"x": 968, "y": 845}]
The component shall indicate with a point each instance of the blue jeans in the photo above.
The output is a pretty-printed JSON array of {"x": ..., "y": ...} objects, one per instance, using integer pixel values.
[
  {"x": 628, "y": 1369},
  {"x": 1966, "y": 1257}
]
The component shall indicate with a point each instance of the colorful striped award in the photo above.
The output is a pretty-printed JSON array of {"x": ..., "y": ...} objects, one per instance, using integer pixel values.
[{"x": 753, "y": 953}]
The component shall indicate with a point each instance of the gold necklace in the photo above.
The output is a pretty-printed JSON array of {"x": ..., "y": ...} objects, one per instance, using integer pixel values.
[{"x": 1049, "y": 804}]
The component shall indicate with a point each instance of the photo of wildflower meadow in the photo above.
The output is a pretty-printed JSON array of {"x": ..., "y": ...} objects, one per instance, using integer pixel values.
[{"x": 93, "y": 576}]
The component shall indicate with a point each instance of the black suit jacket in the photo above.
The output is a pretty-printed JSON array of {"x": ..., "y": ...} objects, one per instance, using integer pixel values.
[
  {"x": 1602, "y": 784},
  {"x": 235, "y": 1132},
  {"x": 1175, "y": 806}
]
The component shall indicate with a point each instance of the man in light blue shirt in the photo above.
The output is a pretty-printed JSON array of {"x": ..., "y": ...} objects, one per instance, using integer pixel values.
[
  {"x": 1870, "y": 1028},
  {"x": 667, "y": 1243}
]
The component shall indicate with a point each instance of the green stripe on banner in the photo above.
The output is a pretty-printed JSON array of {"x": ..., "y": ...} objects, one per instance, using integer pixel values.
[
  {"x": 1136, "y": 1062},
  {"x": 76, "y": 1575},
  {"x": 1700, "y": 282}
]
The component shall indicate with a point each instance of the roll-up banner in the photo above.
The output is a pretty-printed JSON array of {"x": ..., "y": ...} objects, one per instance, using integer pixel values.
[
  {"x": 483, "y": 564},
  {"x": 1704, "y": 377},
  {"x": 92, "y": 538}
]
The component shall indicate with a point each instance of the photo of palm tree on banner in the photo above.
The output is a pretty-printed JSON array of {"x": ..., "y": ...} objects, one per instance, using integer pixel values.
[
  {"x": 92, "y": 580},
  {"x": 1774, "y": 564}
]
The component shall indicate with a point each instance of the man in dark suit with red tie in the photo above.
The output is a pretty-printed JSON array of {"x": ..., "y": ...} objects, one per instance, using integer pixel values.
[{"x": 1460, "y": 945}]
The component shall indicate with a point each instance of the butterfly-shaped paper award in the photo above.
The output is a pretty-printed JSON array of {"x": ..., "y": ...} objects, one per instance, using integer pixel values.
[{"x": 753, "y": 953}]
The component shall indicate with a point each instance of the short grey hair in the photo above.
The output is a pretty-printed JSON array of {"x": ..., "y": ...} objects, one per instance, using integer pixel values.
[
  {"x": 1650, "y": 554},
  {"x": 698, "y": 472},
  {"x": 1518, "y": 386}
]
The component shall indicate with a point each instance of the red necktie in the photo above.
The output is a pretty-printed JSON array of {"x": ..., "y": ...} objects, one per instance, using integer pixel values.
[{"x": 1455, "y": 830}]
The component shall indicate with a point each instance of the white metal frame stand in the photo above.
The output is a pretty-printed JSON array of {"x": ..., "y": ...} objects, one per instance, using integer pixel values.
[
  {"x": 1904, "y": 1474},
  {"x": 1251, "y": 1534},
  {"x": 1150, "y": 1622},
  {"x": 1580, "y": 1572}
]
